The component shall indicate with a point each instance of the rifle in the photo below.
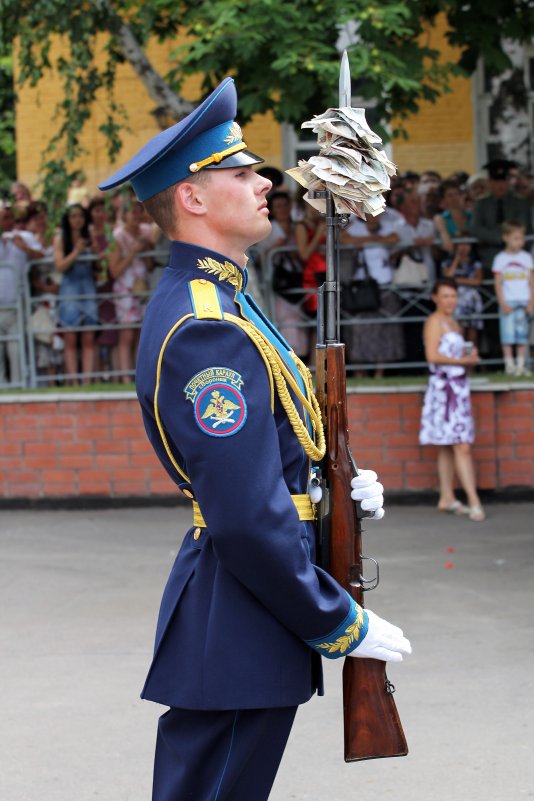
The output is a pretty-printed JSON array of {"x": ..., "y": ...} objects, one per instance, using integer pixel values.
[{"x": 372, "y": 726}]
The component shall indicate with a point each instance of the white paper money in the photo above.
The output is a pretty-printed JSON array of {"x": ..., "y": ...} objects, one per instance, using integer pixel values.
[{"x": 349, "y": 165}]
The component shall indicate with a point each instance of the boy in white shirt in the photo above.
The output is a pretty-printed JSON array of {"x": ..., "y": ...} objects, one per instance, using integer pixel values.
[{"x": 514, "y": 285}]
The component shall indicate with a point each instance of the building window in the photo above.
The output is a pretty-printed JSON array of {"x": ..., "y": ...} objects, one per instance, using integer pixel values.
[{"x": 505, "y": 108}]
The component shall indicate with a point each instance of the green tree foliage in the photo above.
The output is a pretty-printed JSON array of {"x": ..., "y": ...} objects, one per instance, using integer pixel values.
[
  {"x": 478, "y": 29},
  {"x": 285, "y": 60},
  {"x": 7, "y": 123},
  {"x": 282, "y": 54}
]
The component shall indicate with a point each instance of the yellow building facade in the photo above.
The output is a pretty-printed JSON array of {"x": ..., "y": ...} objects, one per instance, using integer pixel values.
[
  {"x": 35, "y": 123},
  {"x": 441, "y": 136}
]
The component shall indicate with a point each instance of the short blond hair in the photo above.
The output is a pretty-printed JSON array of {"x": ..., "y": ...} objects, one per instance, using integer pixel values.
[
  {"x": 162, "y": 207},
  {"x": 510, "y": 227}
]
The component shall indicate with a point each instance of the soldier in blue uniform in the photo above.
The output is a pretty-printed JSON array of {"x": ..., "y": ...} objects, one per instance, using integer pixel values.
[{"x": 229, "y": 409}]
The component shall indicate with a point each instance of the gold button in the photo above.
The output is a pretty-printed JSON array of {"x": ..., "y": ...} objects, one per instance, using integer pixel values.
[
  {"x": 187, "y": 493},
  {"x": 196, "y": 533}
]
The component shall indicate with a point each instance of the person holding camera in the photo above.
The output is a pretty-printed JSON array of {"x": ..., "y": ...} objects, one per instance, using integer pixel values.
[
  {"x": 130, "y": 269},
  {"x": 78, "y": 309},
  {"x": 446, "y": 419}
]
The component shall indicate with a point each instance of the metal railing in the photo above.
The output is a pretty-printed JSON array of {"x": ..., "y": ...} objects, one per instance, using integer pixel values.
[
  {"x": 410, "y": 307},
  {"x": 13, "y": 336},
  {"x": 412, "y": 304},
  {"x": 31, "y": 333}
]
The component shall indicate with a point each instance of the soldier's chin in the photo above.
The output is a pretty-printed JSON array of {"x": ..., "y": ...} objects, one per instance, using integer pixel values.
[{"x": 267, "y": 227}]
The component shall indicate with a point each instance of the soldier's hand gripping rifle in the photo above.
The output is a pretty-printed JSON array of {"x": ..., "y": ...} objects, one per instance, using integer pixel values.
[{"x": 372, "y": 726}]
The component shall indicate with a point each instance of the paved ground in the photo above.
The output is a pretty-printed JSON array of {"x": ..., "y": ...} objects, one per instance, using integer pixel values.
[{"x": 80, "y": 592}]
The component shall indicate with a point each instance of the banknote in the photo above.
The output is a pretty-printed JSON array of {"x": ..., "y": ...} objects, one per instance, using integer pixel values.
[{"x": 351, "y": 164}]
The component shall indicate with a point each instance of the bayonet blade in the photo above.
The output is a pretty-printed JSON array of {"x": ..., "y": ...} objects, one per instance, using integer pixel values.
[{"x": 345, "y": 89}]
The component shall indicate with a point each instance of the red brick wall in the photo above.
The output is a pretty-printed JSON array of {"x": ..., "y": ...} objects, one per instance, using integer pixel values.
[
  {"x": 77, "y": 448},
  {"x": 71, "y": 448},
  {"x": 384, "y": 433}
]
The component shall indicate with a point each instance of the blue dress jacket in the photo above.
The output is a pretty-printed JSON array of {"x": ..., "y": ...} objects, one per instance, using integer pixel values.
[{"x": 245, "y": 612}]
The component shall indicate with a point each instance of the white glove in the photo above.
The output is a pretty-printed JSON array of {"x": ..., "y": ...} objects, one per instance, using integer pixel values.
[
  {"x": 383, "y": 641},
  {"x": 369, "y": 492}
]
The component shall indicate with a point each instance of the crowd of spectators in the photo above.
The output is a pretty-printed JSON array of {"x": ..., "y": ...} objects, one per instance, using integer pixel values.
[
  {"x": 87, "y": 281},
  {"x": 407, "y": 247},
  {"x": 90, "y": 279}
]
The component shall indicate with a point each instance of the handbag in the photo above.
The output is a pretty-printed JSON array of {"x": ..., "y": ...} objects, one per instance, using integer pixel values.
[
  {"x": 42, "y": 325},
  {"x": 287, "y": 276},
  {"x": 140, "y": 287},
  {"x": 410, "y": 271},
  {"x": 361, "y": 295}
]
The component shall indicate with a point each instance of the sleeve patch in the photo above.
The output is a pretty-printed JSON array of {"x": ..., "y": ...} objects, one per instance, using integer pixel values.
[{"x": 220, "y": 407}]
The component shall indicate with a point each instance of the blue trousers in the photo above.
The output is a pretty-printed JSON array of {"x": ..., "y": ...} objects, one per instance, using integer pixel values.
[{"x": 220, "y": 755}]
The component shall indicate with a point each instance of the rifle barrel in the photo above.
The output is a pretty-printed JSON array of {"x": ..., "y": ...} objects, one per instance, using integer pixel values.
[
  {"x": 371, "y": 722},
  {"x": 331, "y": 277}
]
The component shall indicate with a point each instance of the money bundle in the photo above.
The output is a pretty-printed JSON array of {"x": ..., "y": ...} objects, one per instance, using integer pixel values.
[{"x": 349, "y": 163}]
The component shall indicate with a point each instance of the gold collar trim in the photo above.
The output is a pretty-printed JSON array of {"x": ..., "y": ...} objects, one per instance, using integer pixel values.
[{"x": 226, "y": 272}]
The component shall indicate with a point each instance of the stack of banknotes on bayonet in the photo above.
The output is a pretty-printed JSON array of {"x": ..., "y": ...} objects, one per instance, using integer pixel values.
[{"x": 349, "y": 164}]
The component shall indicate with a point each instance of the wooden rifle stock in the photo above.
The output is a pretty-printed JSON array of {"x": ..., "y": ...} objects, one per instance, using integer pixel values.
[{"x": 372, "y": 726}]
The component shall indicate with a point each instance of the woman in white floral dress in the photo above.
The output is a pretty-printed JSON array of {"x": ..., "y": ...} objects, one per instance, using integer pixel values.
[{"x": 446, "y": 419}]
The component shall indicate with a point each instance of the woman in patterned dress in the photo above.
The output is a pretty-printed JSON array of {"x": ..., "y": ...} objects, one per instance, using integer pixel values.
[
  {"x": 446, "y": 419},
  {"x": 130, "y": 269}
]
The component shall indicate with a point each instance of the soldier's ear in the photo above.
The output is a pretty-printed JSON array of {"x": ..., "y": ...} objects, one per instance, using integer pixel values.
[{"x": 189, "y": 198}]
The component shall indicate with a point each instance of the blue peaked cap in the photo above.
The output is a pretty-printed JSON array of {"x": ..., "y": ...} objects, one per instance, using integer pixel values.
[{"x": 207, "y": 138}]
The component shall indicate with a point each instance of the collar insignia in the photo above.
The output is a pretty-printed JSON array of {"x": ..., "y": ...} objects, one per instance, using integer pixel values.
[{"x": 226, "y": 272}]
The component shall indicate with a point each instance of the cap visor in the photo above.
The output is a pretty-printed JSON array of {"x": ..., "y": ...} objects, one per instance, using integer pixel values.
[{"x": 242, "y": 159}]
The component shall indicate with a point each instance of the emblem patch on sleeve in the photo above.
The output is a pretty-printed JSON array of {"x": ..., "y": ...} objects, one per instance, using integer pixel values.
[{"x": 220, "y": 407}]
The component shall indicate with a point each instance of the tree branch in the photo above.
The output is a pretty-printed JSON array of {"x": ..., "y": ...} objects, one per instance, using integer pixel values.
[{"x": 168, "y": 102}]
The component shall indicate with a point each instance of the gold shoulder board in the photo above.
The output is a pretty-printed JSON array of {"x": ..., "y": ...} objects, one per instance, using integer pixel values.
[{"x": 205, "y": 300}]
